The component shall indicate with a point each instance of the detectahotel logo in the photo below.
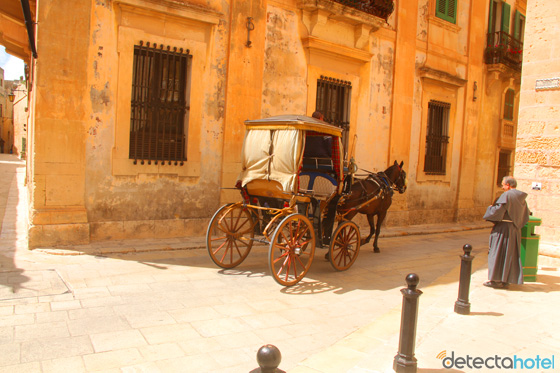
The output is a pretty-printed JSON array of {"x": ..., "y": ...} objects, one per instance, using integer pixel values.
[{"x": 495, "y": 362}]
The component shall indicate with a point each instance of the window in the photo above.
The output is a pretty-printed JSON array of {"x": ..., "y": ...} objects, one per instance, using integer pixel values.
[
  {"x": 333, "y": 101},
  {"x": 518, "y": 26},
  {"x": 447, "y": 10},
  {"x": 492, "y": 16},
  {"x": 504, "y": 40},
  {"x": 508, "y": 104},
  {"x": 159, "y": 104},
  {"x": 437, "y": 138},
  {"x": 504, "y": 166}
]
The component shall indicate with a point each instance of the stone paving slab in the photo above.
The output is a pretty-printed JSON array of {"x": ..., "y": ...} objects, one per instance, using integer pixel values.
[{"x": 154, "y": 310}]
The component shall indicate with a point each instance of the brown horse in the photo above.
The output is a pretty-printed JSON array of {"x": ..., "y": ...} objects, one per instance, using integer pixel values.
[{"x": 373, "y": 196}]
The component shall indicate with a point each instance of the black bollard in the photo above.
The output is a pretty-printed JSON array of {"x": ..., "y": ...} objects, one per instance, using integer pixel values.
[
  {"x": 462, "y": 305},
  {"x": 405, "y": 361},
  {"x": 268, "y": 357}
]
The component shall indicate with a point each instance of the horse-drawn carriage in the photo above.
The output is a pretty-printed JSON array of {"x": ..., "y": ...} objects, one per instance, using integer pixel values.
[{"x": 295, "y": 187}]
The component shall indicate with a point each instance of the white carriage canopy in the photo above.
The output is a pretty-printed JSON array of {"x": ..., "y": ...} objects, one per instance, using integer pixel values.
[{"x": 273, "y": 148}]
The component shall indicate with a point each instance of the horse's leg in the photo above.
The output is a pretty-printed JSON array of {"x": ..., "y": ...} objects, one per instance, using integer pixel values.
[
  {"x": 371, "y": 229},
  {"x": 380, "y": 218}
]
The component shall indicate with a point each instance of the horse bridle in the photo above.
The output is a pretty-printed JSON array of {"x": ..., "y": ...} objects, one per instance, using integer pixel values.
[{"x": 393, "y": 184}]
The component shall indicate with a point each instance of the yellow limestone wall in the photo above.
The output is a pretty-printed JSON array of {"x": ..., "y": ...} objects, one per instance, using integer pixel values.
[
  {"x": 57, "y": 207},
  {"x": 538, "y": 141},
  {"x": 244, "y": 86},
  {"x": 84, "y": 187}
]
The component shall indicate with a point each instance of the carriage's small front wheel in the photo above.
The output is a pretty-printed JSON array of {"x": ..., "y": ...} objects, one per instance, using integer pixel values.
[
  {"x": 291, "y": 249},
  {"x": 345, "y": 245},
  {"x": 230, "y": 235}
]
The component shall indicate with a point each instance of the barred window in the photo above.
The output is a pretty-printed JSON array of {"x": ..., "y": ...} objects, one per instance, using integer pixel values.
[
  {"x": 508, "y": 105},
  {"x": 159, "y": 104},
  {"x": 437, "y": 138},
  {"x": 333, "y": 101}
]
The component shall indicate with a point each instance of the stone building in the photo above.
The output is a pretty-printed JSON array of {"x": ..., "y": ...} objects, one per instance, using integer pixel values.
[
  {"x": 136, "y": 112},
  {"x": 6, "y": 115},
  {"x": 20, "y": 117},
  {"x": 537, "y": 160}
]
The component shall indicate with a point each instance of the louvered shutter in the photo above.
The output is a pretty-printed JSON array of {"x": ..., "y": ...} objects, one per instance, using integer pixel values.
[
  {"x": 506, "y": 11},
  {"x": 447, "y": 10},
  {"x": 517, "y": 26}
]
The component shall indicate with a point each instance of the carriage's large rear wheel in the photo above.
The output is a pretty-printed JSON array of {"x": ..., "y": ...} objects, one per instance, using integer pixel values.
[
  {"x": 345, "y": 245},
  {"x": 291, "y": 249},
  {"x": 229, "y": 235}
]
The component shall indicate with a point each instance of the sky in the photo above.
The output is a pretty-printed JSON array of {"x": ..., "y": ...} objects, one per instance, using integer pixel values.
[{"x": 13, "y": 66}]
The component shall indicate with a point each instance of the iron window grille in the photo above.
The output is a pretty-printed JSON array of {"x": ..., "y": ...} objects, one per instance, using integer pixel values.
[
  {"x": 437, "y": 138},
  {"x": 159, "y": 104},
  {"x": 333, "y": 101}
]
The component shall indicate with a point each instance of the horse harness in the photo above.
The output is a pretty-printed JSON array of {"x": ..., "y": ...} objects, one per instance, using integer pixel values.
[
  {"x": 385, "y": 186},
  {"x": 385, "y": 190}
]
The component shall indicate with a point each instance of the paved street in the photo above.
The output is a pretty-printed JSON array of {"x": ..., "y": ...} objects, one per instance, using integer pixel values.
[{"x": 163, "y": 306}]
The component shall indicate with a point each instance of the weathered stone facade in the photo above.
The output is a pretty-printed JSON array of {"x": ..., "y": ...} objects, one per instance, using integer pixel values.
[
  {"x": 253, "y": 59},
  {"x": 537, "y": 158}
]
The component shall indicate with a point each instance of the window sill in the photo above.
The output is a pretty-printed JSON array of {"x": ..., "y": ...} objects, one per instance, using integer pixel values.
[{"x": 433, "y": 20}]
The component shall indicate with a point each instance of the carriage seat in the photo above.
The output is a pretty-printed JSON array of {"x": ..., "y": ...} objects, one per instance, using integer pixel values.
[
  {"x": 270, "y": 189},
  {"x": 318, "y": 184}
]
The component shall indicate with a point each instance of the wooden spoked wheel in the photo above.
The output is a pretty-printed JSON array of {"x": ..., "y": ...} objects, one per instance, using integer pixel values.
[
  {"x": 230, "y": 235},
  {"x": 291, "y": 249},
  {"x": 345, "y": 245}
]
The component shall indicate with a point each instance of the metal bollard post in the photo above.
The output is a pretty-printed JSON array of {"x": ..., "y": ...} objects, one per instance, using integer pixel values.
[
  {"x": 405, "y": 361},
  {"x": 268, "y": 357},
  {"x": 462, "y": 305}
]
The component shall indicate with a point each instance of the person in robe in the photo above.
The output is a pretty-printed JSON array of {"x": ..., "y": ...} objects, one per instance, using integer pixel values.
[{"x": 509, "y": 214}]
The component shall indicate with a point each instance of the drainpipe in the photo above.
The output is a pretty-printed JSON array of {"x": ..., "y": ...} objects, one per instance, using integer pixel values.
[{"x": 29, "y": 25}]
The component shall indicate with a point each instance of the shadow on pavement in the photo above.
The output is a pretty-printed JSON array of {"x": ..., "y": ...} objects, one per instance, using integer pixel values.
[
  {"x": 11, "y": 277},
  {"x": 485, "y": 314},
  {"x": 429, "y": 256},
  {"x": 544, "y": 284}
]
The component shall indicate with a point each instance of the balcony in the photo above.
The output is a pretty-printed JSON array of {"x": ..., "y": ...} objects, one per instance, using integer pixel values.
[
  {"x": 501, "y": 48},
  {"x": 379, "y": 8}
]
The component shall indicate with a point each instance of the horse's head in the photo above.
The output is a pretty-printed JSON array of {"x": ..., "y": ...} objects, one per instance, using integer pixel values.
[{"x": 397, "y": 176}]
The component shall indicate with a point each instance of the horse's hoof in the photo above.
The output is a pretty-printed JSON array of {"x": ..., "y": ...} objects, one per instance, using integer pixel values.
[
  {"x": 376, "y": 250},
  {"x": 327, "y": 256}
]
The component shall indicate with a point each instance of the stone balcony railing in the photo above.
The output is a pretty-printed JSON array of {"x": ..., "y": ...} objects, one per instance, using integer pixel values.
[{"x": 379, "y": 8}]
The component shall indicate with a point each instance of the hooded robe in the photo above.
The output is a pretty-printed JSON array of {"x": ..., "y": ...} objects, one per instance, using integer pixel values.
[{"x": 509, "y": 214}]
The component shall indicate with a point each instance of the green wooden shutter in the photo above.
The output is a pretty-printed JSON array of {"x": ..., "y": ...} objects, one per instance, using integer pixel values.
[
  {"x": 508, "y": 104},
  {"x": 491, "y": 17},
  {"x": 506, "y": 11},
  {"x": 447, "y": 10},
  {"x": 452, "y": 9},
  {"x": 517, "y": 26}
]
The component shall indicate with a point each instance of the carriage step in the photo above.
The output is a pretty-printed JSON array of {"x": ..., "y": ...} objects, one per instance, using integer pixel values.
[{"x": 261, "y": 240}]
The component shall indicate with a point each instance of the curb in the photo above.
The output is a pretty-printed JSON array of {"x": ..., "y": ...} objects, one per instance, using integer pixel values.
[{"x": 194, "y": 243}]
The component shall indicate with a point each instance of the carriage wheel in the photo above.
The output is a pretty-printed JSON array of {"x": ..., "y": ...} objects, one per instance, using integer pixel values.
[
  {"x": 345, "y": 245},
  {"x": 291, "y": 249},
  {"x": 229, "y": 235}
]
